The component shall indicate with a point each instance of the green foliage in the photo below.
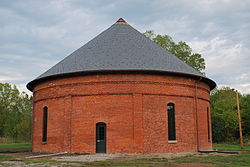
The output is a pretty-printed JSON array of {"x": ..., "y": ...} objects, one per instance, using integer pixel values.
[
  {"x": 16, "y": 113},
  {"x": 180, "y": 50},
  {"x": 225, "y": 115},
  {"x": 245, "y": 114}
]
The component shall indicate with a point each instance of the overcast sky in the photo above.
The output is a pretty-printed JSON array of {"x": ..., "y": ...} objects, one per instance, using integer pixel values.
[{"x": 36, "y": 34}]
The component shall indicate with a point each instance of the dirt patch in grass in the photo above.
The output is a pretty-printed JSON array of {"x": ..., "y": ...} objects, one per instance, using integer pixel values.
[{"x": 102, "y": 157}]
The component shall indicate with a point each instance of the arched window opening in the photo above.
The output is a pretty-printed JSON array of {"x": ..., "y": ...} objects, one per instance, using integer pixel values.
[
  {"x": 45, "y": 125},
  {"x": 171, "y": 122},
  {"x": 208, "y": 125}
]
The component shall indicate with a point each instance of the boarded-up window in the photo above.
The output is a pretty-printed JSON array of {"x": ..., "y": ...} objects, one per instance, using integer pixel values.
[{"x": 171, "y": 122}]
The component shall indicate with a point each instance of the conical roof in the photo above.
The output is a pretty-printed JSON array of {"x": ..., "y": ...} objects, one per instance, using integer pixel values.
[{"x": 119, "y": 48}]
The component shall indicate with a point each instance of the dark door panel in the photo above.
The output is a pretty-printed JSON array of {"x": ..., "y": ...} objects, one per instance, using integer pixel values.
[{"x": 100, "y": 137}]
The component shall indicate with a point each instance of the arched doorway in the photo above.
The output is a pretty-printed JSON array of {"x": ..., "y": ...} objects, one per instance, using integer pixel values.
[{"x": 100, "y": 137}]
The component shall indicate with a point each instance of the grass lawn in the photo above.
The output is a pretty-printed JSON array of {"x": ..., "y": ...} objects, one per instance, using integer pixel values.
[
  {"x": 15, "y": 146},
  {"x": 3, "y": 157},
  {"x": 240, "y": 160},
  {"x": 231, "y": 147},
  {"x": 215, "y": 160},
  {"x": 151, "y": 162},
  {"x": 222, "y": 161},
  {"x": 219, "y": 160}
]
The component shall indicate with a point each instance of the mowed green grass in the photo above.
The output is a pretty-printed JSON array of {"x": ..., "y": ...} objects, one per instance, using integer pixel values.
[
  {"x": 15, "y": 146},
  {"x": 4, "y": 157},
  {"x": 239, "y": 160},
  {"x": 231, "y": 147},
  {"x": 146, "y": 162}
]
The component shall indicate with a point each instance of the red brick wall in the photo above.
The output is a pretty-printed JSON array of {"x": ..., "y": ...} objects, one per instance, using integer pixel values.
[{"x": 133, "y": 106}]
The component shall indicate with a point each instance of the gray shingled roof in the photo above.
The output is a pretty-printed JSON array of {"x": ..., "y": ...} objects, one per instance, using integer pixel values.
[{"x": 120, "y": 47}]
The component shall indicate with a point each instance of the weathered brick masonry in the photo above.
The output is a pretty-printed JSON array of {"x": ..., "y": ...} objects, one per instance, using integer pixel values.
[{"x": 134, "y": 107}]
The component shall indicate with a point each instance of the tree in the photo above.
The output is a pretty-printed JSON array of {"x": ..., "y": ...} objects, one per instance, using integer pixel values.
[
  {"x": 15, "y": 113},
  {"x": 180, "y": 50},
  {"x": 24, "y": 126},
  {"x": 225, "y": 115},
  {"x": 8, "y": 102},
  {"x": 245, "y": 114}
]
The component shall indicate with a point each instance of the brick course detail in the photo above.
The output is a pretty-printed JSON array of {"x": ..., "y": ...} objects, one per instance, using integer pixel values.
[{"x": 134, "y": 108}]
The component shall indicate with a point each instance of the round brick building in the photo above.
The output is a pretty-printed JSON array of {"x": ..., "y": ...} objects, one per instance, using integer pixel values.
[{"x": 121, "y": 93}]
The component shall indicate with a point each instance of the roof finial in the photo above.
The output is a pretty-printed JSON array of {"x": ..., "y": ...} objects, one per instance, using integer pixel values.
[{"x": 121, "y": 21}]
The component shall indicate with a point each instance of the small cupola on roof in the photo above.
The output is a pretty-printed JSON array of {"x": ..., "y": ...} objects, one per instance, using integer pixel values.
[
  {"x": 120, "y": 48},
  {"x": 121, "y": 21}
]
